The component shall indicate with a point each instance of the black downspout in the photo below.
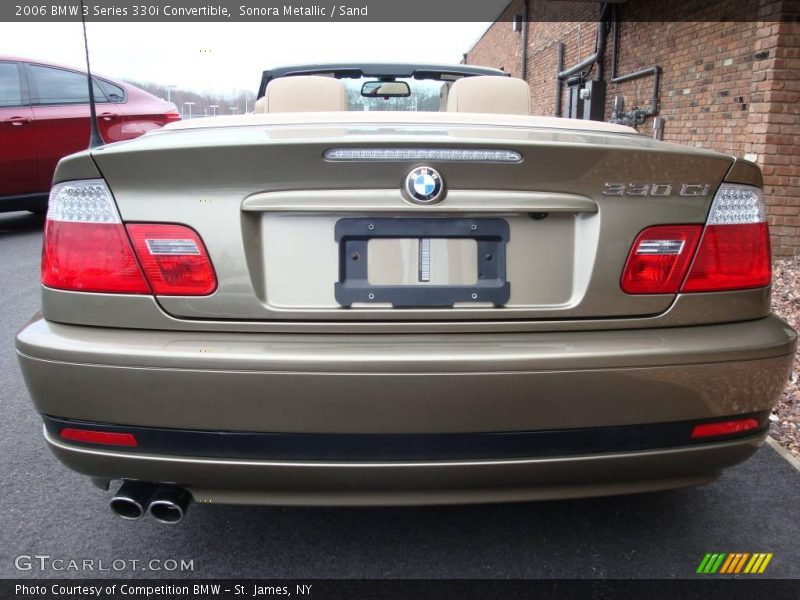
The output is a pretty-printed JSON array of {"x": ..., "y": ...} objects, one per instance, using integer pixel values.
[
  {"x": 524, "y": 59},
  {"x": 559, "y": 81},
  {"x": 598, "y": 57},
  {"x": 615, "y": 33},
  {"x": 602, "y": 38},
  {"x": 599, "y": 50}
]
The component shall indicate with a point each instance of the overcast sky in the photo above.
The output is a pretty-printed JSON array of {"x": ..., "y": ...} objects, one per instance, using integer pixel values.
[{"x": 221, "y": 57}]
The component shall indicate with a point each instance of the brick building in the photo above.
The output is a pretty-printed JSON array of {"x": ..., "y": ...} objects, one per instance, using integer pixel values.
[{"x": 729, "y": 86}]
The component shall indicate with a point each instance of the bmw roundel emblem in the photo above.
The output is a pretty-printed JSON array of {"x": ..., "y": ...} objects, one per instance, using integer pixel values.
[{"x": 424, "y": 185}]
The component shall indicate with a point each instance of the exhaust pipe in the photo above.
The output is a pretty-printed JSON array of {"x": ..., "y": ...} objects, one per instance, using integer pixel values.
[
  {"x": 169, "y": 504},
  {"x": 132, "y": 499}
]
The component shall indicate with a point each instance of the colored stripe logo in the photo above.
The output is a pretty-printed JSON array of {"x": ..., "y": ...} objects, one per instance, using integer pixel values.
[{"x": 734, "y": 562}]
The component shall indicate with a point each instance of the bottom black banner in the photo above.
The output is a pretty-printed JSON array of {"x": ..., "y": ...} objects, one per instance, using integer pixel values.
[{"x": 330, "y": 589}]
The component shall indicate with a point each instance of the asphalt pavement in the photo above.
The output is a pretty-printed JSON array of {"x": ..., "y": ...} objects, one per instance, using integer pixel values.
[{"x": 46, "y": 510}]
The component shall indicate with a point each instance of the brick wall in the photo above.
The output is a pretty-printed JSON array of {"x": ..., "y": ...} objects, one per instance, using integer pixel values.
[
  {"x": 500, "y": 46},
  {"x": 774, "y": 123},
  {"x": 732, "y": 87}
]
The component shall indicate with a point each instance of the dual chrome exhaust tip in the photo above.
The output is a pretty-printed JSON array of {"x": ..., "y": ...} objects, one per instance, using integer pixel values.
[{"x": 165, "y": 503}]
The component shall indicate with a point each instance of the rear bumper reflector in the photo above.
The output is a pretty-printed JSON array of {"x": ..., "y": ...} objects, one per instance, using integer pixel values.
[
  {"x": 724, "y": 428},
  {"x": 94, "y": 436}
]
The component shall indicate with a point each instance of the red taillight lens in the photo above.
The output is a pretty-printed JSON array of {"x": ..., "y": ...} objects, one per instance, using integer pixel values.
[
  {"x": 724, "y": 428},
  {"x": 731, "y": 257},
  {"x": 108, "y": 438},
  {"x": 90, "y": 257},
  {"x": 85, "y": 245},
  {"x": 174, "y": 259},
  {"x": 173, "y": 115},
  {"x": 659, "y": 258}
]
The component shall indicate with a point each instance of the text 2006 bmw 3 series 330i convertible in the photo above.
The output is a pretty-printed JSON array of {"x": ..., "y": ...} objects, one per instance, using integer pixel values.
[{"x": 338, "y": 300}]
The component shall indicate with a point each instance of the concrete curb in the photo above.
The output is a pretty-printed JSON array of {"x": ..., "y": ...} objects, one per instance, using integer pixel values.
[{"x": 784, "y": 453}]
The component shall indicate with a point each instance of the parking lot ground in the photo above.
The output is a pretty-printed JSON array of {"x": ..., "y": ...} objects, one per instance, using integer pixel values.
[{"x": 47, "y": 510}]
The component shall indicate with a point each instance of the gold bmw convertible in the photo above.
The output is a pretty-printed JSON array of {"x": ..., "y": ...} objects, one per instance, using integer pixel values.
[{"x": 392, "y": 284}]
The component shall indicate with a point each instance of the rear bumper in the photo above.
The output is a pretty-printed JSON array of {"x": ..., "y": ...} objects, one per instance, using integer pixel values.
[
  {"x": 403, "y": 386},
  {"x": 236, "y": 481}
]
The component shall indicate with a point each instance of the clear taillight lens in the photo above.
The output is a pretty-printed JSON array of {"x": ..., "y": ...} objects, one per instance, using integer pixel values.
[
  {"x": 736, "y": 204},
  {"x": 734, "y": 251},
  {"x": 85, "y": 246}
]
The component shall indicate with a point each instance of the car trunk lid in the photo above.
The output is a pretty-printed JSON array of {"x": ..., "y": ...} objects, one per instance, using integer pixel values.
[{"x": 267, "y": 203}]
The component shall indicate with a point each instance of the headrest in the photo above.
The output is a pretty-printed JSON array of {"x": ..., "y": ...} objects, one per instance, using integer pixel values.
[
  {"x": 303, "y": 93},
  {"x": 490, "y": 94}
]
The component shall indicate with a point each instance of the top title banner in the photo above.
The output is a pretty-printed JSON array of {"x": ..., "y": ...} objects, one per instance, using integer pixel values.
[
  {"x": 384, "y": 10},
  {"x": 250, "y": 10}
]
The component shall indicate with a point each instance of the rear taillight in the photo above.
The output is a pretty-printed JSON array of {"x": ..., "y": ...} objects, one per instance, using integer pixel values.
[
  {"x": 174, "y": 259},
  {"x": 734, "y": 251},
  {"x": 85, "y": 247},
  {"x": 172, "y": 115},
  {"x": 659, "y": 258}
]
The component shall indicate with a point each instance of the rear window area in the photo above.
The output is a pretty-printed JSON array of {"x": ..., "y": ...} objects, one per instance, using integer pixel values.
[{"x": 427, "y": 95}]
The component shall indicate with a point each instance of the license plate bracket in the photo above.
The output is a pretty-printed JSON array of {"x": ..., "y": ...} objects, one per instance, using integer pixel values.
[{"x": 353, "y": 235}]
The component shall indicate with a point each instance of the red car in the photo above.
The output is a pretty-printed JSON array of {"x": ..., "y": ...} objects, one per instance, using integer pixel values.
[{"x": 44, "y": 116}]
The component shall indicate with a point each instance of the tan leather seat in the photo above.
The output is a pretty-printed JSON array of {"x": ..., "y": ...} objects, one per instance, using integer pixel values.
[
  {"x": 303, "y": 93},
  {"x": 490, "y": 94}
]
